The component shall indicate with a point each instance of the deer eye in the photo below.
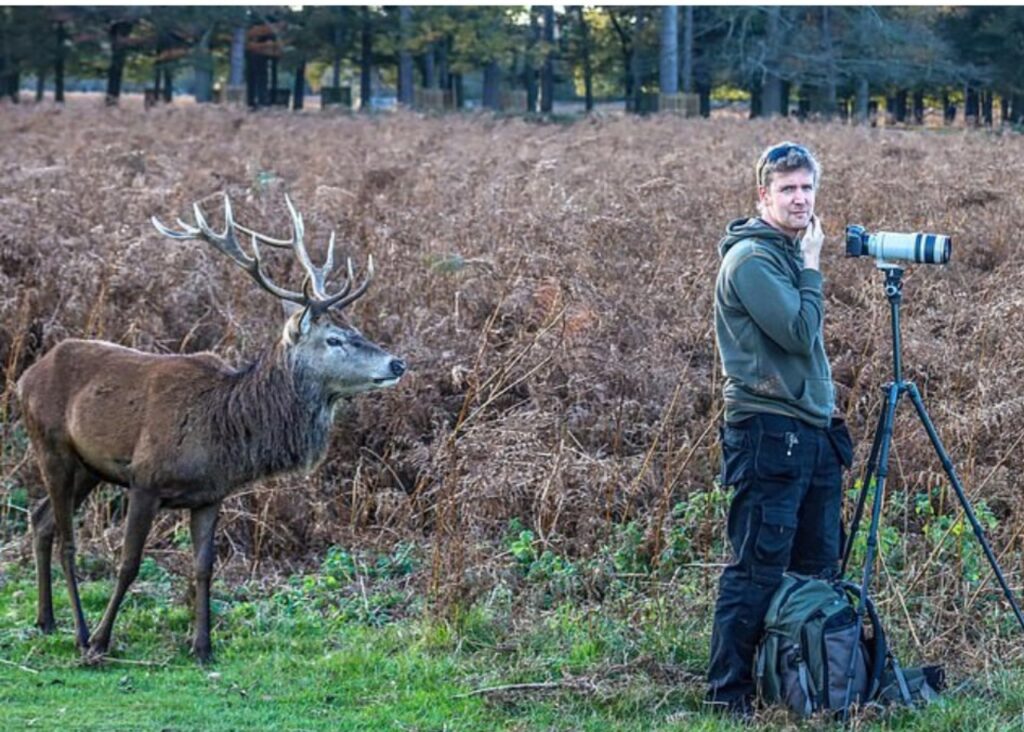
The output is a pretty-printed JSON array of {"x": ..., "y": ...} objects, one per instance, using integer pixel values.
[{"x": 335, "y": 342}]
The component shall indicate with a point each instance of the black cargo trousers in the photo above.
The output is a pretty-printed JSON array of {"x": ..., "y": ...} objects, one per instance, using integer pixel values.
[{"x": 785, "y": 515}]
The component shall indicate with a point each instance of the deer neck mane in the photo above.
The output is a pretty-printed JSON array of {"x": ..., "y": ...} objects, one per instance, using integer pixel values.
[{"x": 274, "y": 417}]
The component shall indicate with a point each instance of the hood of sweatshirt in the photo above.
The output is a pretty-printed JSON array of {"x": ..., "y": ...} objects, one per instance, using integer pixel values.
[{"x": 755, "y": 228}]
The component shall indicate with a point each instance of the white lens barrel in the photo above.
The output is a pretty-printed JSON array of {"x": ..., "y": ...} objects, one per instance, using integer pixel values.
[{"x": 925, "y": 248}]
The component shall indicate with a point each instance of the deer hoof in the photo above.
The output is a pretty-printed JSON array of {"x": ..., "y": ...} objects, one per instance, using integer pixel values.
[{"x": 93, "y": 656}]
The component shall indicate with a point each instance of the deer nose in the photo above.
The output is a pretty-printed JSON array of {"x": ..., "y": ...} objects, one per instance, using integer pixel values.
[{"x": 397, "y": 366}]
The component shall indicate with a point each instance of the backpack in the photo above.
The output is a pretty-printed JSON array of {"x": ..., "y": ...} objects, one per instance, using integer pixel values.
[{"x": 812, "y": 657}]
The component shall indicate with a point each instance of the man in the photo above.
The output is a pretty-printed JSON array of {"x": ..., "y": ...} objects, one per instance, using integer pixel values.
[{"x": 782, "y": 449}]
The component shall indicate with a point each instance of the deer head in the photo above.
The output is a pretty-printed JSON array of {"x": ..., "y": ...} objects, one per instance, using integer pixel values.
[{"x": 337, "y": 356}]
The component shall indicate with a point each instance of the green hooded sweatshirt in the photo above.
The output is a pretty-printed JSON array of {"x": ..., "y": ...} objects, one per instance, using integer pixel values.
[{"x": 769, "y": 314}]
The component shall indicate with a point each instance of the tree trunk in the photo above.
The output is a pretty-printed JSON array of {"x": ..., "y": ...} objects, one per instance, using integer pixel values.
[
  {"x": 547, "y": 79},
  {"x": 168, "y": 91},
  {"x": 262, "y": 64},
  {"x": 688, "y": 51},
  {"x": 443, "y": 82},
  {"x": 668, "y": 67},
  {"x": 948, "y": 110},
  {"x": 1004, "y": 108},
  {"x": 1017, "y": 109},
  {"x": 901, "y": 105},
  {"x": 702, "y": 82},
  {"x": 530, "y": 72},
  {"x": 492, "y": 81},
  {"x": 828, "y": 101},
  {"x": 986, "y": 107},
  {"x": 237, "y": 75},
  {"x": 588, "y": 71},
  {"x": 971, "y": 106},
  {"x": 704, "y": 91},
  {"x": 860, "y": 105},
  {"x": 636, "y": 61},
  {"x": 251, "y": 79},
  {"x": 458, "y": 92},
  {"x": 755, "y": 99},
  {"x": 118, "y": 55},
  {"x": 336, "y": 37},
  {"x": 58, "y": 65},
  {"x": 203, "y": 69},
  {"x": 273, "y": 79},
  {"x": 405, "y": 85},
  {"x": 40, "y": 84},
  {"x": 299, "y": 87},
  {"x": 365, "y": 62},
  {"x": 771, "y": 88},
  {"x": 429, "y": 73},
  {"x": 918, "y": 107}
]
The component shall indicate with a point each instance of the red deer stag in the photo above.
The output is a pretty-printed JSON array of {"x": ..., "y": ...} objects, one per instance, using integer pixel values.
[{"x": 185, "y": 431}]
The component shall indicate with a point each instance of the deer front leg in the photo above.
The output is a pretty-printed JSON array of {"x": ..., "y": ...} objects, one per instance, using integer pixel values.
[
  {"x": 203, "y": 523},
  {"x": 142, "y": 507}
]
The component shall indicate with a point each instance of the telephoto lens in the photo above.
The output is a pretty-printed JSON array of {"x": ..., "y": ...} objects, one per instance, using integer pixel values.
[{"x": 888, "y": 245}]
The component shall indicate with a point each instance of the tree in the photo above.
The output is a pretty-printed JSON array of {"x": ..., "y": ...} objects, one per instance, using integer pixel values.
[
  {"x": 547, "y": 74},
  {"x": 581, "y": 46},
  {"x": 668, "y": 69},
  {"x": 405, "y": 85}
]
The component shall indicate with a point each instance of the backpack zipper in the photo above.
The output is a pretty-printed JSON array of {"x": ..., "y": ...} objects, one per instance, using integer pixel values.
[{"x": 791, "y": 440}]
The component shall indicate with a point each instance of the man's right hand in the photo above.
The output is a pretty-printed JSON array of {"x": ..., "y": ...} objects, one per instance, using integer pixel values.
[{"x": 811, "y": 242}]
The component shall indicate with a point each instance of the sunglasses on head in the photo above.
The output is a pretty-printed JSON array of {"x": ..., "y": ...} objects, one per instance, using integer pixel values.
[{"x": 778, "y": 153}]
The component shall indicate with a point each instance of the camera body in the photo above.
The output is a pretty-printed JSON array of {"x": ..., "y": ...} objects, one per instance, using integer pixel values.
[{"x": 887, "y": 245}]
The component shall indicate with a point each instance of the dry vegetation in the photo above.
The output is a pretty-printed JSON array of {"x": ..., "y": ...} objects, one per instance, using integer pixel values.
[{"x": 551, "y": 287}]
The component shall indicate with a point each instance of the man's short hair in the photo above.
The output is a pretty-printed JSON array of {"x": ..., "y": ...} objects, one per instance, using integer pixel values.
[{"x": 785, "y": 157}]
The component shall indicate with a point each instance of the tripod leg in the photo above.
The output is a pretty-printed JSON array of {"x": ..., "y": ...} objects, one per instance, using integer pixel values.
[
  {"x": 883, "y": 442},
  {"x": 947, "y": 465},
  {"x": 869, "y": 473}
]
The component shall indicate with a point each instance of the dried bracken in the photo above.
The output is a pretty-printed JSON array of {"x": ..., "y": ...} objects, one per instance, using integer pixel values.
[{"x": 551, "y": 288}]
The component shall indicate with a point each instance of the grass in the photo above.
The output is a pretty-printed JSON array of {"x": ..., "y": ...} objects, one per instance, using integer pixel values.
[{"x": 296, "y": 657}]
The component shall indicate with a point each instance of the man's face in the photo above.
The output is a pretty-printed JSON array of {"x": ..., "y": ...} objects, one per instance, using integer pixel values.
[{"x": 787, "y": 202}]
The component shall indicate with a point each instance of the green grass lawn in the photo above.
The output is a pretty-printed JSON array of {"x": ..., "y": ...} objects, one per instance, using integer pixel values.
[{"x": 316, "y": 654}]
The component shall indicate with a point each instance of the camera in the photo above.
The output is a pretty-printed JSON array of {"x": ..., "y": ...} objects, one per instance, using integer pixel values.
[{"x": 885, "y": 245}]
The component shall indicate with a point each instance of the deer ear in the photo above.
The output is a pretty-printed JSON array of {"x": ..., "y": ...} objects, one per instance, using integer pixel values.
[{"x": 299, "y": 320}]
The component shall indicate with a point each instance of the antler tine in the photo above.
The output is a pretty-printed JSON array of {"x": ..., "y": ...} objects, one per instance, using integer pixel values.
[
  {"x": 187, "y": 232},
  {"x": 227, "y": 244},
  {"x": 317, "y": 275},
  {"x": 343, "y": 298},
  {"x": 268, "y": 240}
]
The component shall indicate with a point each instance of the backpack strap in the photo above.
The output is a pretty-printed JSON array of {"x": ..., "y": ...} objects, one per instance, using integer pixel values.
[
  {"x": 880, "y": 652},
  {"x": 805, "y": 685},
  {"x": 901, "y": 680}
]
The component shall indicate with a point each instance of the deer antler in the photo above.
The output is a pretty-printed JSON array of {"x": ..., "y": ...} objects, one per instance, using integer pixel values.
[{"x": 313, "y": 296}]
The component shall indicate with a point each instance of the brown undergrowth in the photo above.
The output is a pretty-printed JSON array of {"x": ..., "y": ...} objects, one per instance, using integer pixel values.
[{"x": 551, "y": 288}]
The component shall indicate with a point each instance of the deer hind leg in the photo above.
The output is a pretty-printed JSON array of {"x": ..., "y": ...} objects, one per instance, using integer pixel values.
[
  {"x": 44, "y": 529},
  {"x": 67, "y": 483},
  {"x": 142, "y": 507},
  {"x": 203, "y": 523}
]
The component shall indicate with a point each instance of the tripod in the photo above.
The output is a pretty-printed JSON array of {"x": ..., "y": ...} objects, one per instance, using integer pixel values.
[{"x": 878, "y": 460}]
